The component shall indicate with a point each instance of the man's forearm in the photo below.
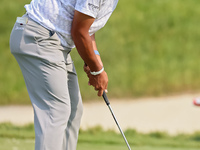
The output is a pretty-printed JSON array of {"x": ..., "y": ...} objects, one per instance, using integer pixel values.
[
  {"x": 80, "y": 35},
  {"x": 85, "y": 49},
  {"x": 94, "y": 45}
]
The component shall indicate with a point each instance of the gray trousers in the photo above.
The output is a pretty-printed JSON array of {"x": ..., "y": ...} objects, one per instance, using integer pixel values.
[{"x": 52, "y": 85}]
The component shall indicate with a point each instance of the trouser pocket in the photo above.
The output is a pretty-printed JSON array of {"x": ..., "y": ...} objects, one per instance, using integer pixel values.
[{"x": 17, "y": 34}]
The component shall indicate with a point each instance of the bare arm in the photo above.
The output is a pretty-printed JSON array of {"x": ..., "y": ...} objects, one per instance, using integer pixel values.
[
  {"x": 80, "y": 27},
  {"x": 94, "y": 45},
  {"x": 85, "y": 45}
]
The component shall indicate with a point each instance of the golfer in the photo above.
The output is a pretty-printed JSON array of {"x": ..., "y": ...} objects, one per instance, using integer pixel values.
[{"x": 41, "y": 41}]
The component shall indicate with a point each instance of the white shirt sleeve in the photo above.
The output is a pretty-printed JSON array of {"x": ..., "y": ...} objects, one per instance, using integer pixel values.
[{"x": 88, "y": 7}]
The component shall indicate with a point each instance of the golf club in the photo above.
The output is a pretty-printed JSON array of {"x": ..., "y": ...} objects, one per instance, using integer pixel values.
[{"x": 108, "y": 104}]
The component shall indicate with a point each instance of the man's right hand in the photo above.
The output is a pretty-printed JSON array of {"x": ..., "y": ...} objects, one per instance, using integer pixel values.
[{"x": 99, "y": 82}]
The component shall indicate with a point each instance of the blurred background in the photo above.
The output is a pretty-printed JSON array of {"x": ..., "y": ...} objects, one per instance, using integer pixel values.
[
  {"x": 150, "y": 51},
  {"x": 149, "y": 48}
]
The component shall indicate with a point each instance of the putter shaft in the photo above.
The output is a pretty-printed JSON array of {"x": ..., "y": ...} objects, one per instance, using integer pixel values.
[{"x": 108, "y": 104}]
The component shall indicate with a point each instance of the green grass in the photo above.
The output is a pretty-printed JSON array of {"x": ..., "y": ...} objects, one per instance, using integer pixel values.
[
  {"x": 12, "y": 87},
  {"x": 15, "y": 137},
  {"x": 149, "y": 48}
]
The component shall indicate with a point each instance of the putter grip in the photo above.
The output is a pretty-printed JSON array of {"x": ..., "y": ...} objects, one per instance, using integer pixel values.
[{"x": 105, "y": 98}]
